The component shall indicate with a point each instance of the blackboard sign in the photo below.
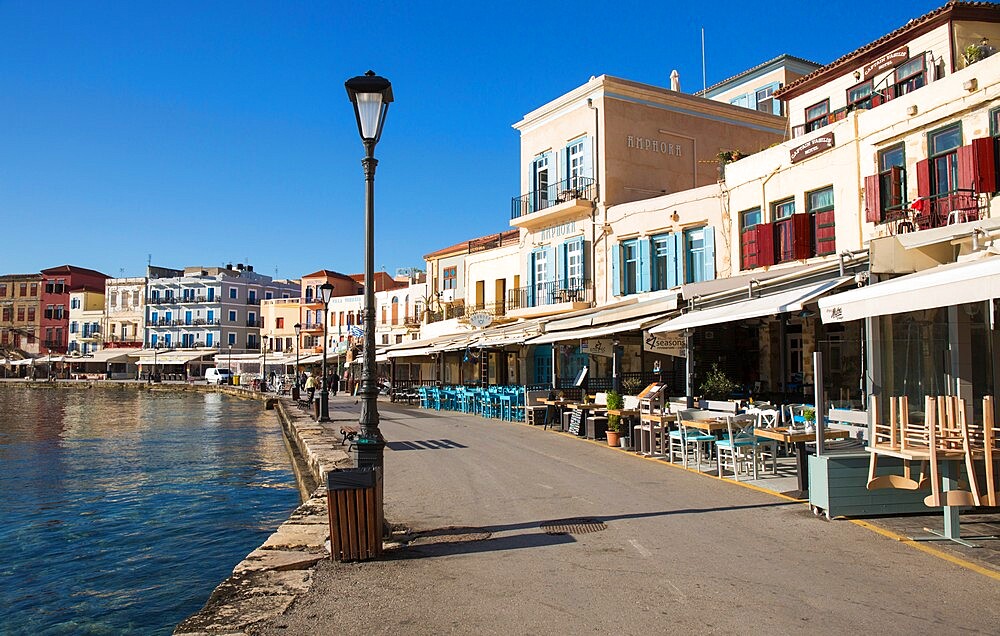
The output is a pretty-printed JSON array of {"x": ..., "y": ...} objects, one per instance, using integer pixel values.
[{"x": 574, "y": 422}]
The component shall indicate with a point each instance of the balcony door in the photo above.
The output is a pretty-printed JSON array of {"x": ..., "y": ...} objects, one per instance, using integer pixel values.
[{"x": 540, "y": 182}]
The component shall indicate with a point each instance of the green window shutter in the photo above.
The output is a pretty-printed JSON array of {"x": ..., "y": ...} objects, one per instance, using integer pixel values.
[
  {"x": 709, "y": 253},
  {"x": 644, "y": 268},
  {"x": 616, "y": 278}
]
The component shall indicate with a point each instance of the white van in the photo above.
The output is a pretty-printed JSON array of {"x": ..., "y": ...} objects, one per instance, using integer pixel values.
[{"x": 215, "y": 375}]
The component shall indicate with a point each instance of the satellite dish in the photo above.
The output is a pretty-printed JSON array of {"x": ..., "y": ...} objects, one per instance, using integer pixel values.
[{"x": 480, "y": 319}]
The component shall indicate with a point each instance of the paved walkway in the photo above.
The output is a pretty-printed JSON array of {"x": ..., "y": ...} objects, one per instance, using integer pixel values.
[{"x": 519, "y": 530}]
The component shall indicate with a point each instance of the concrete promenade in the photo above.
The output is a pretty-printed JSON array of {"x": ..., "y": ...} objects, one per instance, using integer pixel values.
[{"x": 516, "y": 530}]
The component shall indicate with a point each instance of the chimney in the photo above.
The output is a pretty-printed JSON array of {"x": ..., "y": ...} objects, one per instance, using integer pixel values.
[
  {"x": 229, "y": 265},
  {"x": 249, "y": 268},
  {"x": 675, "y": 81},
  {"x": 239, "y": 267}
]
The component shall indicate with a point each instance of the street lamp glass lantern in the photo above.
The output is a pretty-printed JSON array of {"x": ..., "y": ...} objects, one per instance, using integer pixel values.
[
  {"x": 298, "y": 329},
  {"x": 371, "y": 95},
  {"x": 326, "y": 291}
]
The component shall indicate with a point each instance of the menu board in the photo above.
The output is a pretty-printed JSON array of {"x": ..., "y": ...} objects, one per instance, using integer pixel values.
[{"x": 575, "y": 418}]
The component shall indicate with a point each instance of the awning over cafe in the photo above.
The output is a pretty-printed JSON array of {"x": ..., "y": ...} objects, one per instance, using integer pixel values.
[
  {"x": 942, "y": 286},
  {"x": 772, "y": 304},
  {"x": 177, "y": 356}
]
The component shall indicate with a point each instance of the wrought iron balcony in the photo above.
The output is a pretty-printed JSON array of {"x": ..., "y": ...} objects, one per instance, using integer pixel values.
[
  {"x": 569, "y": 189},
  {"x": 550, "y": 293}
]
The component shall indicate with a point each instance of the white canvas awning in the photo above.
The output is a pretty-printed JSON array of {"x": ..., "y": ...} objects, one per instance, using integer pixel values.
[
  {"x": 175, "y": 356},
  {"x": 106, "y": 356},
  {"x": 424, "y": 346},
  {"x": 942, "y": 286},
  {"x": 770, "y": 305}
]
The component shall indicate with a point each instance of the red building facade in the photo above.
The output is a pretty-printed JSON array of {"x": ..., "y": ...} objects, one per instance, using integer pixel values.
[{"x": 54, "y": 304}]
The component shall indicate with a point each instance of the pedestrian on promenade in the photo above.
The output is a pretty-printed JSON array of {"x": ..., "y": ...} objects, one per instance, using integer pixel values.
[
  {"x": 334, "y": 383},
  {"x": 311, "y": 387}
]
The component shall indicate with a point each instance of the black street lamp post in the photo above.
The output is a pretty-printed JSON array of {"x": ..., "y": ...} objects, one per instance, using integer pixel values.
[
  {"x": 232, "y": 374},
  {"x": 295, "y": 384},
  {"x": 371, "y": 96},
  {"x": 326, "y": 290}
]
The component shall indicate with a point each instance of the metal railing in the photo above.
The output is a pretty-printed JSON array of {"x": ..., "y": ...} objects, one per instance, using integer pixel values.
[
  {"x": 551, "y": 293},
  {"x": 494, "y": 241},
  {"x": 177, "y": 322},
  {"x": 957, "y": 206},
  {"x": 255, "y": 323},
  {"x": 569, "y": 189}
]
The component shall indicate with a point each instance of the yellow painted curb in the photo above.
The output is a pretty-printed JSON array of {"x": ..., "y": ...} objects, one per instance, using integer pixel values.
[{"x": 941, "y": 554}]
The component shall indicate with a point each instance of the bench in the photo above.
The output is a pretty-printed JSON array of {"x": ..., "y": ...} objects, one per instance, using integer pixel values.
[{"x": 348, "y": 433}]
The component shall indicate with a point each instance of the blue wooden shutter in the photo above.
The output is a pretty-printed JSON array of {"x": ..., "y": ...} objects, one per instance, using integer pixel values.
[
  {"x": 709, "y": 253},
  {"x": 559, "y": 271},
  {"x": 531, "y": 277},
  {"x": 616, "y": 281},
  {"x": 588, "y": 158},
  {"x": 582, "y": 247},
  {"x": 644, "y": 266},
  {"x": 675, "y": 252}
]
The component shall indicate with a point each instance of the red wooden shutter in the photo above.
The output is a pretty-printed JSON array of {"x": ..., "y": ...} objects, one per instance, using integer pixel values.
[
  {"x": 924, "y": 178},
  {"x": 873, "y": 204},
  {"x": 748, "y": 249},
  {"x": 765, "y": 244},
  {"x": 966, "y": 168},
  {"x": 985, "y": 178},
  {"x": 802, "y": 244},
  {"x": 826, "y": 233}
]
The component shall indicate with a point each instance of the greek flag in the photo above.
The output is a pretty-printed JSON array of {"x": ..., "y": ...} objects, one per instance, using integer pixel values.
[{"x": 356, "y": 331}]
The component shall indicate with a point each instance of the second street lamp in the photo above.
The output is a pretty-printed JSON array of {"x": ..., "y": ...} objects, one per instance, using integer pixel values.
[
  {"x": 326, "y": 290},
  {"x": 371, "y": 96},
  {"x": 295, "y": 383}
]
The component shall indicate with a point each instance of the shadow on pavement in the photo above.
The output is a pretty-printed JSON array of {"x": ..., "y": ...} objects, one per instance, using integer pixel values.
[{"x": 454, "y": 540}]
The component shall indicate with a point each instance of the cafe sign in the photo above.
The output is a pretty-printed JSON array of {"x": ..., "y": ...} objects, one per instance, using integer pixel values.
[
  {"x": 597, "y": 347},
  {"x": 669, "y": 343},
  {"x": 886, "y": 61},
  {"x": 812, "y": 147}
]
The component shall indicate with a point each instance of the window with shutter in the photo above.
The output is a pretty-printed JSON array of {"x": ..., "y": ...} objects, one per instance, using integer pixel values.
[
  {"x": 820, "y": 207},
  {"x": 616, "y": 277},
  {"x": 784, "y": 230},
  {"x": 644, "y": 267},
  {"x": 802, "y": 239},
  {"x": 749, "y": 219}
]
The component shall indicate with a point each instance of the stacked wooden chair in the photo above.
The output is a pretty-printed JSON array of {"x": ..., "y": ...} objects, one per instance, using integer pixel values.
[{"x": 945, "y": 435}]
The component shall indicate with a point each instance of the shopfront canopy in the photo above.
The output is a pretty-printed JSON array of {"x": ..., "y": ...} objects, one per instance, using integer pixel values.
[
  {"x": 176, "y": 356},
  {"x": 770, "y": 305},
  {"x": 942, "y": 286}
]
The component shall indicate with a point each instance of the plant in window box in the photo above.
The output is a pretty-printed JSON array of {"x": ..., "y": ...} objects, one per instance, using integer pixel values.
[{"x": 615, "y": 402}]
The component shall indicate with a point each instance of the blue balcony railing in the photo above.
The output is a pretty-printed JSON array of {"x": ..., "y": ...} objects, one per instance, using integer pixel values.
[{"x": 569, "y": 189}]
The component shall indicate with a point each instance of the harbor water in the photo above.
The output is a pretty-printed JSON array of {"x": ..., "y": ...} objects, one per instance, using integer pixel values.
[{"x": 122, "y": 509}]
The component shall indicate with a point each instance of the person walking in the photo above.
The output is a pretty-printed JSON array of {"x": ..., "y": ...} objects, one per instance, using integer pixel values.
[
  {"x": 334, "y": 383},
  {"x": 311, "y": 387}
]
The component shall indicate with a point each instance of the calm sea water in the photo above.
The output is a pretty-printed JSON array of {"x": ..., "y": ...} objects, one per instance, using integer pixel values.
[{"x": 120, "y": 511}]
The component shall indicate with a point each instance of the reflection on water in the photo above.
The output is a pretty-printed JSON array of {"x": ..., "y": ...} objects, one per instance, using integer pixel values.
[{"x": 120, "y": 511}]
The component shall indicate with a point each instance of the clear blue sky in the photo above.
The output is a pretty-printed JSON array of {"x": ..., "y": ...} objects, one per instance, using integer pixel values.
[{"x": 212, "y": 132}]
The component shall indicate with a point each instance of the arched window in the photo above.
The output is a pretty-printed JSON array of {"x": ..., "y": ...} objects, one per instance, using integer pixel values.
[{"x": 395, "y": 310}]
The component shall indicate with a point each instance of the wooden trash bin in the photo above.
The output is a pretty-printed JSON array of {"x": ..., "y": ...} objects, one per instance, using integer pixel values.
[{"x": 354, "y": 501}]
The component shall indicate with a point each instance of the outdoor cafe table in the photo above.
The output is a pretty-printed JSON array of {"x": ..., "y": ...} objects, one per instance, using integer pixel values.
[
  {"x": 799, "y": 438},
  {"x": 560, "y": 406},
  {"x": 648, "y": 443}
]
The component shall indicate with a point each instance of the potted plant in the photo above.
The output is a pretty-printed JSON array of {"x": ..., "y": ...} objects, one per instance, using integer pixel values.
[
  {"x": 615, "y": 402},
  {"x": 717, "y": 385},
  {"x": 809, "y": 415}
]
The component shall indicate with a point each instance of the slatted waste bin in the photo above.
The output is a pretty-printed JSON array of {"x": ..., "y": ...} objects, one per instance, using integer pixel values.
[{"x": 354, "y": 499}]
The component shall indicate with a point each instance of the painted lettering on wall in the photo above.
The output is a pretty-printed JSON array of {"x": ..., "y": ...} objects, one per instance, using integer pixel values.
[
  {"x": 653, "y": 145},
  {"x": 556, "y": 231}
]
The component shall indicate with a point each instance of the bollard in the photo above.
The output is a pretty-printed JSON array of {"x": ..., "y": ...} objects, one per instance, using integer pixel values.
[{"x": 354, "y": 502}]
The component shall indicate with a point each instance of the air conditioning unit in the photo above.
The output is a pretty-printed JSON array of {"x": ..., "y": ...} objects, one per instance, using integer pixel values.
[{"x": 448, "y": 296}]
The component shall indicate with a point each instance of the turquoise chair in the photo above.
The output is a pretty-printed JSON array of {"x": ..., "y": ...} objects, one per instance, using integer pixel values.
[{"x": 738, "y": 448}]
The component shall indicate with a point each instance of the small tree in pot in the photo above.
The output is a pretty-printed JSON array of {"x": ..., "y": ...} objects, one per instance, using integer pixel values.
[
  {"x": 615, "y": 402},
  {"x": 717, "y": 385}
]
